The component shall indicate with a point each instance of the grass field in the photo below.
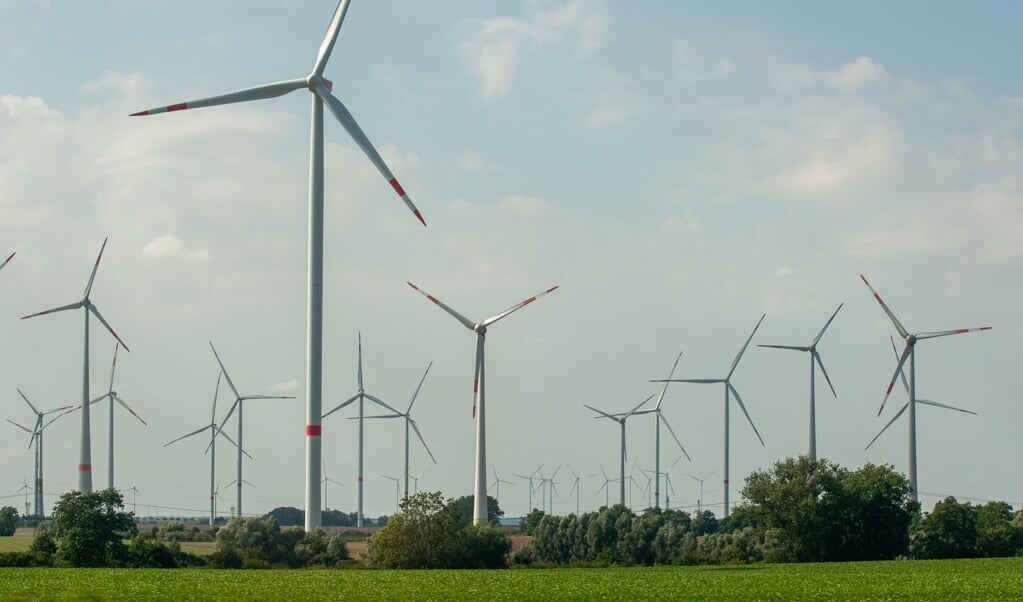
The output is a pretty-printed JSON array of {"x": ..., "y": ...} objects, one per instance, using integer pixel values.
[{"x": 998, "y": 579}]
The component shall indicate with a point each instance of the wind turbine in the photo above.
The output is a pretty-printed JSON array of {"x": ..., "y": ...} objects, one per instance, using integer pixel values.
[
  {"x": 496, "y": 485},
  {"x": 112, "y": 395},
  {"x": 415, "y": 480},
  {"x": 543, "y": 483},
  {"x": 479, "y": 513},
  {"x": 620, "y": 419},
  {"x": 361, "y": 395},
  {"x": 397, "y": 491},
  {"x": 530, "y": 478},
  {"x": 909, "y": 352},
  {"x": 575, "y": 487},
  {"x": 657, "y": 433},
  {"x": 605, "y": 487},
  {"x": 9, "y": 257},
  {"x": 327, "y": 479},
  {"x": 238, "y": 399},
  {"x": 912, "y": 434},
  {"x": 85, "y": 449},
  {"x": 212, "y": 448},
  {"x": 699, "y": 502},
  {"x": 321, "y": 94},
  {"x": 36, "y": 433},
  {"x": 410, "y": 422},
  {"x": 26, "y": 489},
  {"x": 729, "y": 388},
  {"x": 814, "y": 357}
]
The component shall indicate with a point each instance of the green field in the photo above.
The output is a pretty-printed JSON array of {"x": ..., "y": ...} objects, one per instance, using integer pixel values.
[{"x": 998, "y": 579}]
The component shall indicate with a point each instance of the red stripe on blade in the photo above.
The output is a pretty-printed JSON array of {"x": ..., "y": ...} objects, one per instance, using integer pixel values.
[
  {"x": 475, "y": 385},
  {"x": 529, "y": 300},
  {"x": 432, "y": 298},
  {"x": 397, "y": 187},
  {"x": 313, "y": 430},
  {"x": 181, "y": 106}
]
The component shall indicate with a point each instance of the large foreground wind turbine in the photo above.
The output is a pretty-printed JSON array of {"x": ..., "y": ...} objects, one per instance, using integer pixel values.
[
  {"x": 620, "y": 419},
  {"x": 727, "y": 380},
  {"x": 238, "y": 399},
  {"x": 656, "y": 410},
  {"x": 814, "y": 357},
  {"x": 479, "y": 513},
  {"x": 212, "y": 447},
  {"x": 113, "y": 396},
  {"x": 909, "y": 352},
  {"x": 37, "y": 437},
  {"x": 321, "y": 94},
  {"x": 410, "y": 422},
  {"x": 361, "y": 396},
  {"x": 85, "y": 449}
]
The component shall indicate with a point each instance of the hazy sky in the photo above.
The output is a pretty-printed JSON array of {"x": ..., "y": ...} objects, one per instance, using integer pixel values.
[{"x": 677, "y": 168}]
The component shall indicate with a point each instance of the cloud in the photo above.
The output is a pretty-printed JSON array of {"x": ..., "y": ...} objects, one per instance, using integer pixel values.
[
  {"x": 610, "y": 114},
  {"x": 291, "y": 385},
  {"x": 472, "y": 161},
  {"x": 859, "y": 74},
  {"x": 170, "y": 246},
  {"x": 492, "y": 53}
]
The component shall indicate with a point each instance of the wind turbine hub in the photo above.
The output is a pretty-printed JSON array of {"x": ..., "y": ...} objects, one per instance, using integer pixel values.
[
  {"x": 911, "y": 339},
  {"x": 479, "y": 328},
  {"x": 313, "y": 81}
]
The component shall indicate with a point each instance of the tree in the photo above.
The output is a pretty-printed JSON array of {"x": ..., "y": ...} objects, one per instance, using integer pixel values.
[
  {"x": 288, "y": 516},
  {"x": 465, "y": 503},
  {"x": 89, "y": 528},
  {"x": 8, "y": 520},
  {"x": 531, "y": 521},
  {"x": 949, "y": 531},
  {"x": 997, "y": 536}
]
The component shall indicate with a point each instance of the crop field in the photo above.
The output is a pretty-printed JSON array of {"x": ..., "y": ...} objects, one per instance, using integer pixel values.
[{"x": 998, "y": 579}]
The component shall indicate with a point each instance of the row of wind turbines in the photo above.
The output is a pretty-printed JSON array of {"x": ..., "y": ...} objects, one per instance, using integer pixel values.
[{"x": 322, "y": 94}]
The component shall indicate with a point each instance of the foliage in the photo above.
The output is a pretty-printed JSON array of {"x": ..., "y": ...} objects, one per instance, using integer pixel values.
[
  {"x": 177, "y": 531},
  {"x": 146, "y": 553},
  {"x": 529, "y": 522},
  {"x": 8, "y": 520},
  {"x": 261, "y": 543},
  {"x": 287, "y": 516},
  {"x": 818, "y": 511},
  {"x": 89, "y": 528},
  {"x": 997, "y": 535},
  {"x": 949, "y": 531},
  {"x": 466, "y": 507},
  {"x": 429, "y": 532},
  {"x": 43, "y": 543}
]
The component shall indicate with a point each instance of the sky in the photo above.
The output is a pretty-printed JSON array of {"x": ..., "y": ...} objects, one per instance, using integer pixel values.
[{"x": 677, "y": 169}]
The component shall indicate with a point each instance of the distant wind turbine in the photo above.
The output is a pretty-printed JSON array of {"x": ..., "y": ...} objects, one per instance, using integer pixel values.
[
  {"x": 36, "y": 433},
  {"x": 699, "y": 502},
  {"x": 620, "y": 419},
  {"x": 238, "y": 399},
  {"x": 727, "y": 381},
  {"x": 659, "y": 418},
  {"x": 814, "y": 357},
  {"x": 327, "y": 479},
  {"x": 113, "y": 396},
  {"x": 496, "y": 485},
  {"x": 532, "y": 488},
  {"x": 212, "y": 448},
  {"x": 321, "y": 94},
  {"x": 605, "y": 487},
  {"x": 410, "y": 422},
  {"x": 86, "y": 304},
  {"x": 361, "y": 395},
  {"x": 909, "y": 352},
  {"x": 479, "y": 513}
]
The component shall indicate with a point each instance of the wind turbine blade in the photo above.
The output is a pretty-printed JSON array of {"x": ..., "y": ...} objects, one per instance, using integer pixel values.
[
  {"x": 664, "y": 389},
  {"x": 735, "y": 362},
  {"x": 9, "y": 257},
  {"x": 74, "y": 305},
  {"x": 348, "y": 122},
  {"x": 216, "y": 393},
  {"x": 898, "y": 370},
  {"x": 60, "y": 409},
  {"x": 898, "y": 325},
  {"x": 602, "y": 413},
  {"x": 945, "y": 333},
  {"x": 946, "y": 406},
  {"x": 224, "y": 434},
  {"x": 227, "y": 376},
  {"x": 245, "y": 397},
  {"x": 361, "y": 388},
  {"x": 342, "y": 405},
  {"x": 229, "y": 413},
  {"x": 517, "y": 306},
  {"x": 95, "y": 312},
  {"x": 742, "y": 406},
  {"x": 381, "y": 403},
  {"x": 817, "y": 358},
  {"x": 633, "y": 410},
  {"x": 92, "y": 277},
  {"x": 34, "y": 410},
  {"x": 195, "y": 432},
  {"x": 379, "y": 416},
  {"x": 481, "y": 341},
  {"x": 421, "y": 440},
  {"x": 792, "y": 347},
  {"x": 673, "y": 436},
  {"x": 260, "y": 92},
  {"x": 419, "y": 386},
  {"x": 702, "y": 381},
  {"x": 465, "y": 321},
  {"x": 113, "y": 366},
  {"x": 50, "y": 421},
  {"x": 826, "y": 324},
  {"x": 890, "y": 422},
  {"x": 905, "y": 383},
  {"x": 29, "y": 431},
  {"x": 123, "y": 404},
  {"x": 327, "y": 45}
]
